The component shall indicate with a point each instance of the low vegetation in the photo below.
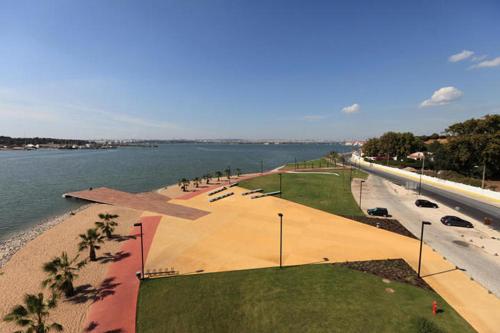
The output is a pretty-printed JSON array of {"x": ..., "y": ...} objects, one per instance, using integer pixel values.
[
  {"x": 328, "y": 192},
  {"x": 311, "y": 298}
]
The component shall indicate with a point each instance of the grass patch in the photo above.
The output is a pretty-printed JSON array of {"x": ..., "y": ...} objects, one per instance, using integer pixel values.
[
  {"x": 330, "y": 193},
  {"x": 311, "y": 298},
  {"x": 311, "y": 164}
]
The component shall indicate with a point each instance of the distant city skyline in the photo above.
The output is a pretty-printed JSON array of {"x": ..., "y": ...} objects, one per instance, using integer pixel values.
[{"x": 274, "y": 70}]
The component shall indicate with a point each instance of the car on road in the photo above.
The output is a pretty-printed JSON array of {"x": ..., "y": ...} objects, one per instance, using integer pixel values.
[
  {"x": 425, "y": 203},
  {"x": 456, "y": 221},
  {"x": 378, "y": 212}
]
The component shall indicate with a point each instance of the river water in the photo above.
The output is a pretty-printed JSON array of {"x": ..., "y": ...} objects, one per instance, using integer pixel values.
[{"x": 32, "y": 182}]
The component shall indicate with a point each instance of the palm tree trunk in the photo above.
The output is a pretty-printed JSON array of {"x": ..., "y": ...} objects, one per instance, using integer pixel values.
[{"x": 92, "y": 254}]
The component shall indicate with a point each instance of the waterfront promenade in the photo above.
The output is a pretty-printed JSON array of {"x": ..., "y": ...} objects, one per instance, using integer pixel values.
[{"x": 238, "y": 233}]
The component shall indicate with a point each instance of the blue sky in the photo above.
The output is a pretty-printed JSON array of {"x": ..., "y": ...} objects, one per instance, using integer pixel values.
[{"x": 245, "y": 69}]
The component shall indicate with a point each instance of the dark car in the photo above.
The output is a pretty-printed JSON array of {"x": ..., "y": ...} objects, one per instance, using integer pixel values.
[
  {"x": 378, "y": 212},
  {"x": 456, "y": 221},
  {"x": 426, "y": 203}
]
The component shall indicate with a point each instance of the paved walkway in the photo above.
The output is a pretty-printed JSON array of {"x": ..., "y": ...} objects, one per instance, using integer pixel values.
[
  {"x": 117, "y": 311},
  {"x": 152, "y": 202},
  {"x": 241, "y": 233}
]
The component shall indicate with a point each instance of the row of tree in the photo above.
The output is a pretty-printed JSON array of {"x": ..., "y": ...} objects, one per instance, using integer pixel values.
[
  {"x": 9, "y": 141},
  {"x": 61, "y": 271},
  {"x": 185, "y": 182},
  {"x": 393, "y": 144},
  {"x": 467, "y": 148}
]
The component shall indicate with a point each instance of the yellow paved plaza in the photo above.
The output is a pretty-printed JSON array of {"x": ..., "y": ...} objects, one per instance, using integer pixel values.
[{"x": 241, "y": 233}]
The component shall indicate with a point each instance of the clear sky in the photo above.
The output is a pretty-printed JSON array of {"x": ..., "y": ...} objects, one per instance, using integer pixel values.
[{"x": 245, "y": 69}]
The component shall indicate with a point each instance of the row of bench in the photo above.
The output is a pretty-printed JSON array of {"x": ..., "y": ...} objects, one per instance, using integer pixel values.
[
  {"x": 221, "y": 197},
  {"x": 265, "y": 194}
]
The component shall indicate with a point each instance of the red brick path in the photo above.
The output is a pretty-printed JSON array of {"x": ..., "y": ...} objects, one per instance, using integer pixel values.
[{"x": 116, "y": 311}]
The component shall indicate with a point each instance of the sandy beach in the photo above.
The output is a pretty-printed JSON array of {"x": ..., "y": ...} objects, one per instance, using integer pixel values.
[
  {"x": 22, "y": 256},
  {"x": 23, "y": 272}
]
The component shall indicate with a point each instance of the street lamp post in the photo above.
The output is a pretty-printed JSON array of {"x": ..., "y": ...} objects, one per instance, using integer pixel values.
[
  {"x": 421, "y": 173},
  {"x": 484, "y": 175},
  {"x": 281, "y": 239},
  {"x": 142, "y": 249},
  {"x": 261, "y": 166},
  {"x": 360, "y": 192},
  {"x": 421, "y": 241},
  {"x": 280, "y": 184}
]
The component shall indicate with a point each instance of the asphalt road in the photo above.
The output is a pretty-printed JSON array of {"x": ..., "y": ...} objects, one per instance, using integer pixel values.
[
  {"x": 476, "y": 209},
  {"x": 473, "y": 250}
]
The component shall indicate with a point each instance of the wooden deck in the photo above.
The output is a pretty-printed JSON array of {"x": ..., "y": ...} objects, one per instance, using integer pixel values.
[{"x": 152, "y": 202}]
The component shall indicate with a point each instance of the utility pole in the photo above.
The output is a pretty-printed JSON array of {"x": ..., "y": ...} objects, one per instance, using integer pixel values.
[
  {"x": 360, "y": 192},
  {"x": 421, "y": 241},
  {"x": 281, "y": 240},
  {"x": 421, "y": 172},
  {"x": 484, "y": 175},
  {"x": 142, "y": 249}
]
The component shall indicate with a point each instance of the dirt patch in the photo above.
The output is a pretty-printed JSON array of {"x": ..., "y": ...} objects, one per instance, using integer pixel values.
[
  {"x": 393, "y": 269},
  {"x": 386, "y": 224}
]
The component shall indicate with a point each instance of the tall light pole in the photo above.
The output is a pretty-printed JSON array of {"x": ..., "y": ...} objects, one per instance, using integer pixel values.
[
  {"x": 280, "y": 184},
  {"x": 142, "y": 249},
  {"x": 261, "y": 166},
  {"x": 484, "y": 175},
  {"x": 421, "y": 241},
  {"x": 360, "y": 192},
  {"x": 421, "y": 172},
  {"x": 281, "y": 239}
]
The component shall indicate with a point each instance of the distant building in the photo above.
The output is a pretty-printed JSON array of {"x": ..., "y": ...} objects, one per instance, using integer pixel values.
[{"x": 417, "y": 156}]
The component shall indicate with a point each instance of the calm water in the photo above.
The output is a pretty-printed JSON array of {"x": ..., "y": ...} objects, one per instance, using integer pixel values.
[{"x": 32, "y": 182}]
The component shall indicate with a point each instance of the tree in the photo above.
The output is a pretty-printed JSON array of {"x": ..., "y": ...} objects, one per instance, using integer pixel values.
[
  {"x": 32, "y": 316},
  {"x": 183, "y": 184},
  {"x": 196, "y": 182},
  {"x": 90, "y": 240},
  {"x": 62, "y": 273},
  {"x": 238, "y": 172},
  {"x": 207, "y": 178},
  {"x": 371, "y": 147},
  {"x": 107, "y": 225},
  {"x": 227, "y": 171},
  {"x": 218, "y": 174}
]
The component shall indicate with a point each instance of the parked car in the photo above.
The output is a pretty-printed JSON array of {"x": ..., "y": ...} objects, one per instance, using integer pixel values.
[
  {"x": 378, "y": 212},
  {"x": 426, "y": 203},
  {"x": 456, "y": 221}
]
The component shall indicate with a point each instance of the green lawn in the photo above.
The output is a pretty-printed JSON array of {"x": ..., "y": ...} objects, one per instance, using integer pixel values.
[
  {"x": 318, "y": 163},
  {"x": 330, "y": 193},
  {"x": 311, "y": 298}
]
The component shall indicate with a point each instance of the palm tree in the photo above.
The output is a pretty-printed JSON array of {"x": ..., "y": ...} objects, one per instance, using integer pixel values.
[
  {"x": 107, "y": 225},
  {"x": 238, "y": 172},
  {"x": 90, "y": 240},
  {"x": 207, "y": 177},
  {"x": 196, "y": 182},
  {"x": 183, "y": 183},
  {"x": 218, "y": 174},
  {"x": 33, "y": 314},
  {"x": 227, "y": 171},
  {"x": 62, "y": 272}
]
